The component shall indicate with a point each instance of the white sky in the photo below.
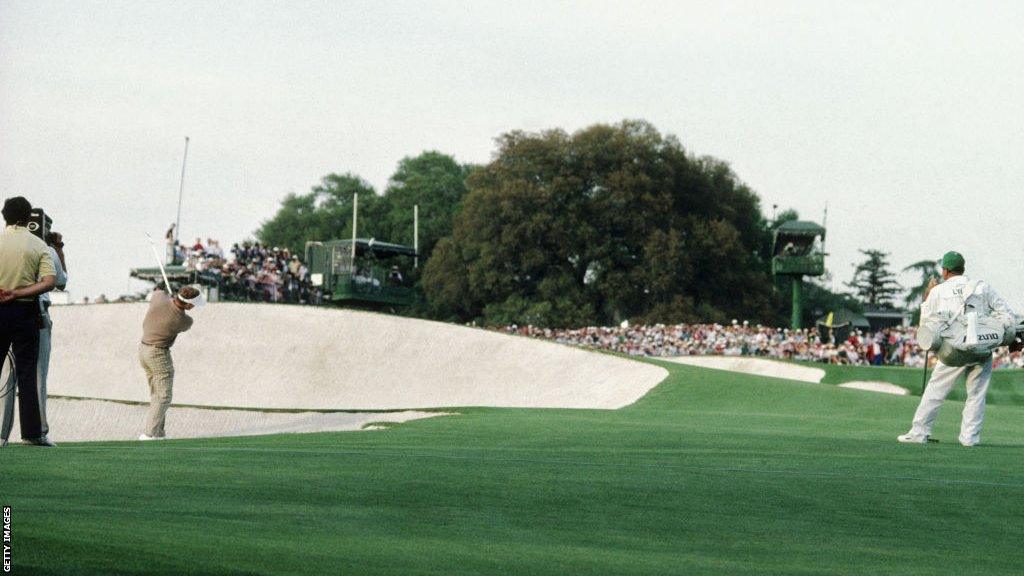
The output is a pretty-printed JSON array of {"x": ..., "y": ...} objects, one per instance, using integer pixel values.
[{"x": 904, "y": 117}]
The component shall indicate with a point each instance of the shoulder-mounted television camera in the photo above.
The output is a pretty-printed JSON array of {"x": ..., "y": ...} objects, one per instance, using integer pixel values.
[{"x": 39, "y": 223}]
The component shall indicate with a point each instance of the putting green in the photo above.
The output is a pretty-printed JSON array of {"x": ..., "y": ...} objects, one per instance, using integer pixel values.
[
  {"x": 710, "y": 473},
  {"x": 1007, "y": 386}
]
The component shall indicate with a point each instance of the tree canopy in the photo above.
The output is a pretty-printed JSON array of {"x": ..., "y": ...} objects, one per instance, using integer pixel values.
[
  {"x": 434, "y": 181},
  {"x": 611, "y": 222},
  {"x": 322, "y": 214},
  {"x": 607, "y": 223}
]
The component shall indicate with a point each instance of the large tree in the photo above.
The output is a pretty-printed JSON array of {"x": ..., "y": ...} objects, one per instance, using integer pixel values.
[
  {"x": 873, "y": 283},
  {"x": 325, "y": 213},
  {"x": 434, "y": 181},
  {"x": 437, "y": 184},
  {"x": 611, "y": 222}
]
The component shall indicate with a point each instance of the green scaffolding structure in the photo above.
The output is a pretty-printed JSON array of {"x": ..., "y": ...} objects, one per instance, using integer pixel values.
[
  {"x": 362, "y": 271},
  {"x": 798, "y": 251}
]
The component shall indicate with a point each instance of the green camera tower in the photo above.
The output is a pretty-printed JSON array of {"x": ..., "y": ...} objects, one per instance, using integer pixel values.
[{"x": 798, "y": 251}]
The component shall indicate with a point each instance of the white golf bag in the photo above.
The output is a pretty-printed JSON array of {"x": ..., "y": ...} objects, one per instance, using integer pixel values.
[{"x": 970, "y": 336}]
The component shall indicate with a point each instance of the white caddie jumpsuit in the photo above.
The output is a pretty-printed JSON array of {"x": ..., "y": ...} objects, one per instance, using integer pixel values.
[{"x": 949, "y": 297}]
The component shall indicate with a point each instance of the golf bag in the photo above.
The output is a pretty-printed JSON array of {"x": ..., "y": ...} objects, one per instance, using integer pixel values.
[{"x": 970, "y": 336}]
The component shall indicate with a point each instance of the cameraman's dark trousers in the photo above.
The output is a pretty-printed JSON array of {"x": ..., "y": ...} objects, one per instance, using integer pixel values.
[{"x": 19, "y": 332}]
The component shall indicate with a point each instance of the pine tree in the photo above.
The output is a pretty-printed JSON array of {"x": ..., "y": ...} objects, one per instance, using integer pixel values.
[{"x": 873, "y": 283}]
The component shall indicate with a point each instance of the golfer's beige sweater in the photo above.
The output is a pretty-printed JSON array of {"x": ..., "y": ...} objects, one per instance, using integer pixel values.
[{"x": 163, "y": 322}]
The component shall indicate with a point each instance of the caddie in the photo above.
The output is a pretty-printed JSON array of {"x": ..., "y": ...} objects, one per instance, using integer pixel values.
[
  {"x": 962, "y": 322},
  {"x": 165, "y": 319}
]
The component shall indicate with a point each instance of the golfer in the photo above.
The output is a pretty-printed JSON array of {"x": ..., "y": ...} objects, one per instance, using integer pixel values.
[
  {"x": 26, "y": 271},
  {"x": 948, "y": 299},
  {"x": 165, "y": 319}
]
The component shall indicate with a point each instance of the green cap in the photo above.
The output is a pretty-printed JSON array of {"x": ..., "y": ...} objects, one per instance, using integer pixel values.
[{"x": 952, "y": 260}]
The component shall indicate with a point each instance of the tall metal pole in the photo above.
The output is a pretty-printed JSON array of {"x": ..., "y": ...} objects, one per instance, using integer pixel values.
[
  {"x": 355, "y": 221},
  {"x": 824, "y": 224},
  {"x": 416, "y": 233},
  {"x": 181, "y": 192}
]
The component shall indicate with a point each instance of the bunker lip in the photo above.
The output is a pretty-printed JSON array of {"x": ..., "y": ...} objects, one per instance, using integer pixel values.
[
  {"x": 268, "y": 410},
  {"x": 104, "y": 420}
]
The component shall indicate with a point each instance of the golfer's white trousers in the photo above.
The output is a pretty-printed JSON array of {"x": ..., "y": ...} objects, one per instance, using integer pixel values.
[{"x": 939, "y": 385}]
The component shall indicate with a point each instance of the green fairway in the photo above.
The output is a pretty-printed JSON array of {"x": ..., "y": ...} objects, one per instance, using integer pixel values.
[{"x": 710, "y": 473}]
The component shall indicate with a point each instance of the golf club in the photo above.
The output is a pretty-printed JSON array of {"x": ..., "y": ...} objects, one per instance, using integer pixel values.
[
  {"x": 160, "y": 263},
  {"x": 7, "y": 388},
  {"x": 924, "y": 376}
]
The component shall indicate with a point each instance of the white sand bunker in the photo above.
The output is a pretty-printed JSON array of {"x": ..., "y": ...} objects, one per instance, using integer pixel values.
[
  {"x": 776, "y": 369},
  {"x": 277, "y": 356},
  {"x": 875, "y": 386},
  {"x": 756, "y": 366},
  {"x": 89, "y": 420}
]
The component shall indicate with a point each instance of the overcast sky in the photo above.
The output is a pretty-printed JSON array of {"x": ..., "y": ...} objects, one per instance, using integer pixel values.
[{"x": 903, "y": 117}]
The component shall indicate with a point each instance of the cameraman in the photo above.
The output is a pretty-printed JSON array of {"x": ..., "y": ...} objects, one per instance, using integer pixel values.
[
  {"x": 26, "y": 271},
  {"x": 55, "y": 247}
]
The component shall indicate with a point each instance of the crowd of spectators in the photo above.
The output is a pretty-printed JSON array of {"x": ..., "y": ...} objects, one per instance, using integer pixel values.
[
  {"x": 270, "y": 274},
  {"x": 890, "y": 346},
  {"x": 257, "y": 272},
  {"x": 253, "y": 272}
]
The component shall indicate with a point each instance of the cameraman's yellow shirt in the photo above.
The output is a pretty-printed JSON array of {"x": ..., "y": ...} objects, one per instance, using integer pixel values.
[{"x": 24, "y": 259}]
